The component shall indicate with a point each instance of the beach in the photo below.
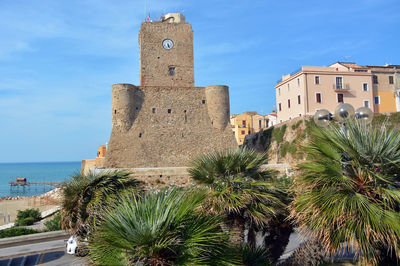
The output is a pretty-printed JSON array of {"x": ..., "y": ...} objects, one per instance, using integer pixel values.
[{"x": 9, "y": 206}]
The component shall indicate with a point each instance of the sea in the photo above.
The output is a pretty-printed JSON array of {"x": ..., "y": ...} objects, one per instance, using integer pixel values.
[{"x": 34, "y": 172}]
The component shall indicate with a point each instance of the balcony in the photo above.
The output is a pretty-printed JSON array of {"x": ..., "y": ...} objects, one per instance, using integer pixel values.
[{"x": 341, "y": 87}]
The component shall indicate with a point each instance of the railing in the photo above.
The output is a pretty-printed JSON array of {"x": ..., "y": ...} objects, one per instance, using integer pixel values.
[
  {"x": 296, "y": 71},
  {"x": 291, "y": 74},
  {"x": 341, "y": 87}
]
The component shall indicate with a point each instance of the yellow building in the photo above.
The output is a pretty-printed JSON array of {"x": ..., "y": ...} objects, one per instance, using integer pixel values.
[
  {"x": 386, "y": 88},
  {"x": 247, "y": 123}
]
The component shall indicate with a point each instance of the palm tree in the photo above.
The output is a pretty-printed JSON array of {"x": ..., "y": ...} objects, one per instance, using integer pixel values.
[
  {"x": 84, "y": 197},
  {"x": 249, "y": 196},
  {"x": 348, "y": 190},
  {"x": 160, "y": 228}
]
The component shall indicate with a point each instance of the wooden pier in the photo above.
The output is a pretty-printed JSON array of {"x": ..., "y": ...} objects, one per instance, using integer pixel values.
[{"x": 23, "y": 182}]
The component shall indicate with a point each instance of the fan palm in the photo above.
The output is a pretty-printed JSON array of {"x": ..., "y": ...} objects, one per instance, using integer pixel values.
[
  {"x": 84, "y": 196},
  {"x": 161, "y": 228},
  {"x": 240, "y": 189},
  {"x": 348, "y": 191}
]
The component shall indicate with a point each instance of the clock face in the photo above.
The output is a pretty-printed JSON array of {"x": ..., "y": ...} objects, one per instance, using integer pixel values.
[{"x": 168, "y": 44}]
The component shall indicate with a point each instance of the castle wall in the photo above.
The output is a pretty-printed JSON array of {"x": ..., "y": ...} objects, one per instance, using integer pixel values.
[{"x": 167, "y": 126}]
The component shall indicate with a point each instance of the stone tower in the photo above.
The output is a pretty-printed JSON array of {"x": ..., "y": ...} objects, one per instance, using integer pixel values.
[
  {"x": 166, "y": 121},
  {"x": 171, "y": 63}
]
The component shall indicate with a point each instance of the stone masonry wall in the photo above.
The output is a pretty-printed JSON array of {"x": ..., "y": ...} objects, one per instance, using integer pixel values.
[
  {"x": 167, "y": 126},
  {"x": 155, "y": 60}
]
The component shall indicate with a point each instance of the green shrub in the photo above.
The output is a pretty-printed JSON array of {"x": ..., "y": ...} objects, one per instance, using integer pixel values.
[
  {"x": 54, "y": 224},
  {"x": 292, "y": 149},
  {"x": 279, "y": 133},
  {"x": 15, "y": 231},
  {"x": 26, "y": 221},
  {"x": 284, "y": 148},
  {"x": 28, "y": 217},
  {"x": 295, "y": 126}
]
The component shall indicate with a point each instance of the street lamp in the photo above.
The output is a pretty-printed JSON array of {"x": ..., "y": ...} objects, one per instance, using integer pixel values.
[{"x": 342, "y": 112}]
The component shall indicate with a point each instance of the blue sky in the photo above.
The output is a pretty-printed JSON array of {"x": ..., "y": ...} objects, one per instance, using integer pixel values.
[{"x": 59, "y": 58}]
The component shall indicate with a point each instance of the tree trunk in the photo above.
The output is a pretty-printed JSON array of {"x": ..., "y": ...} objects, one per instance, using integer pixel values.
[
  {"x": 310, "y": 253},
  {"x": 236, "y": 227}
]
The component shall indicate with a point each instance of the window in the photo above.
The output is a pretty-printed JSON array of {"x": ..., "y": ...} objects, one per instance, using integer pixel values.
[
  {"x": 243, "y": 132},
  {"x": 279, "y": 91},
  {"x": 169, "y": 111},
  {"x": 288, "y": 103},
  {"x": 244, "y": 123},
  {"x": 366, "y": 103},
  {"x": 318, "y": 97},
  {"x": 280, "y": 107},
  {"x": 340, "y": 97},
  {"x": 375, "y": 79},
  {"x": 288, "y": 87},
  {"x": 377, "y": 100},
  {"x": 298, "y": 99},
  {"x": 171, "y": 71},
  {"x": 299, "y": 115},
  {"x": 259, "y": 123},
  {"x": 339, "y": 83},
  {"x": 365, "y": 86},
  {"x": 154, "y": 110},
  {"x": 203, "y": 101},
  {"x": 391, "y": 80},
  {"x": 316, "y": 80},
  {"x": 298, "y": 82}
]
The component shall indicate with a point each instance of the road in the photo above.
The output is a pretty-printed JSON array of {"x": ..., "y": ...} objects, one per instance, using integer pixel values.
[{"x": 47, "y": 253}]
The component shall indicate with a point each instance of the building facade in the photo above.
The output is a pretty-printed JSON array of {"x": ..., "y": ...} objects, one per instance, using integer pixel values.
[
  {"x": 312, "y": 88},
  {"x": 247, "y": 123},
  {"x": 386, "y": 88},
  {"x": 167, "y": 121}
]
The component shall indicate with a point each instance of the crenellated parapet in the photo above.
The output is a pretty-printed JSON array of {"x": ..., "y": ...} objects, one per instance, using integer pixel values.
[{"x": 218, "y": 105}]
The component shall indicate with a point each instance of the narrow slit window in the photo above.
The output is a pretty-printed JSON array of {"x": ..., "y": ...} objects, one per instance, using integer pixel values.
[
  {"x": 140, "y": 135},
  {"x": 171, "y": 71}
]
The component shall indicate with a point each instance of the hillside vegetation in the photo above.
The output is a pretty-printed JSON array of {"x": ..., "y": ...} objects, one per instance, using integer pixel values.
[{"x": 284, "y": 142}]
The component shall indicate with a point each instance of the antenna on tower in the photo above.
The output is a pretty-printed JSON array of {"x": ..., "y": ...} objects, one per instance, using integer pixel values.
[
  {"x": 146, "y": 16},
  {"x": 145, "y": 10}
]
